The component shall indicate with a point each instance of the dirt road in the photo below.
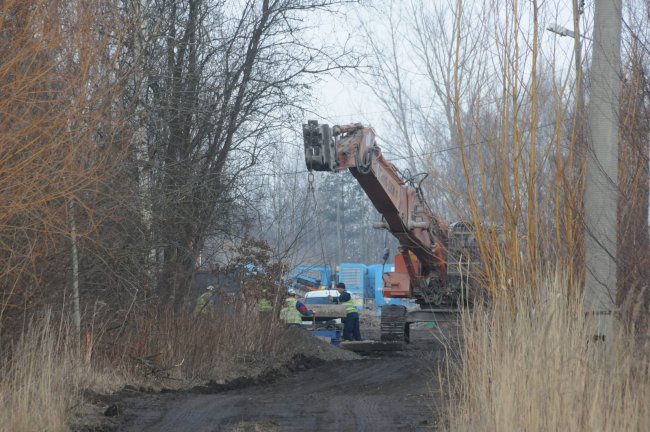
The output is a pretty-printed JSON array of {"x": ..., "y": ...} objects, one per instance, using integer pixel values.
[{"x": 388, "y": 392}]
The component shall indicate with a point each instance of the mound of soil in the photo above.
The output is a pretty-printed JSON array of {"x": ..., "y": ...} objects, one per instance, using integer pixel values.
[
  {"x": 304, "y": 343},
  {"x": 303, "y": 351},
  {"x": 390, "y": 392}
]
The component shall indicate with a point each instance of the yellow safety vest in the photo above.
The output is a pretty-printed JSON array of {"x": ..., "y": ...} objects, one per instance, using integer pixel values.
[
  {"x": 349, "y": 306},
  {"x": 264, "y": 305},
  {"x": 203, "y": 306},
  {"x": 289, "y": 313}
]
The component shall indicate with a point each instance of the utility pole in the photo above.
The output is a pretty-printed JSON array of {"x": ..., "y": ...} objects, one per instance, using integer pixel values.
[{"x": 601, "y": 180}]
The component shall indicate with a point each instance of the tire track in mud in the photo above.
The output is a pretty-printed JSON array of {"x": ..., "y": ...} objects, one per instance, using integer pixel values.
[{"x": 388, "y": 393}]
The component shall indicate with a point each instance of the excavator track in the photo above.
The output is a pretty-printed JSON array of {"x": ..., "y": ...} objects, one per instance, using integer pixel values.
[{"x": 393, "y": 324}]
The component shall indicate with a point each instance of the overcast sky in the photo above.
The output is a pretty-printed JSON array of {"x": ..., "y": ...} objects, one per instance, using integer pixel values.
[{"x": 344, "y": 99}]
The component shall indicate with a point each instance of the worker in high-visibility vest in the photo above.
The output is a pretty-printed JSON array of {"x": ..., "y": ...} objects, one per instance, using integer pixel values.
[
  {"x": 351, "y": 329},
  {"x": 293, "y": 310},
  {"x": 264, "y": 306},
  {"x": 205, "y": 303}
]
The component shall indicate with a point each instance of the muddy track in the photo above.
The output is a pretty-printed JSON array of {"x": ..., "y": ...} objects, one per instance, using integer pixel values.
[{"x": 392, "y": 392}]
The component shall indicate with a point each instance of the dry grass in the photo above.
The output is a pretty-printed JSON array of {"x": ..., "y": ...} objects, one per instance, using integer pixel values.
[
  {"x": 42, "y": 377},
  {"x": 526, "y": 365},
  {"x": 38, "y": 383},
  {"x": 179, "y": 345}
]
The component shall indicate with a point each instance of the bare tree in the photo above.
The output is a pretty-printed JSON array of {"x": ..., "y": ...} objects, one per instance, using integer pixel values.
[
  {"x": 221, "y": 79},
  {"x": 56, "y": 77}
]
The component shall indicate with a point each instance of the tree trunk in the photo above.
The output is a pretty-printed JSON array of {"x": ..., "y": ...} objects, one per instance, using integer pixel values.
[{"x": 76, "y": 310}]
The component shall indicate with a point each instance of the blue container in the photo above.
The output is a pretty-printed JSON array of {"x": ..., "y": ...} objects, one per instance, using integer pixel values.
[
  {"x": 334, "y": 335},
  {"x": 355, "y": 277}
]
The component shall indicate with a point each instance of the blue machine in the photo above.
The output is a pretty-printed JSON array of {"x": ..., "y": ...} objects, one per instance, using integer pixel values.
[
  {"x": 363, "y": 282},
  {"x": 312, "y": 276},
  {"x": 334, "y": 335},
  {"x": 355, "y": 277}
]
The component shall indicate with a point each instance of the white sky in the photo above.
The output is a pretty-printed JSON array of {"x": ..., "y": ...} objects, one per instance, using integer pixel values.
[{"x": 344, "y": 99}]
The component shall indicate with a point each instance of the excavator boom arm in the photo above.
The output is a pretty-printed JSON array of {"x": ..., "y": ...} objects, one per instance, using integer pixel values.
[{"x": 420, "y": 265}]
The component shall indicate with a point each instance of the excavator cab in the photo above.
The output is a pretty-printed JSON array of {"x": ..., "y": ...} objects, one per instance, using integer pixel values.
[{"x": 320, "y": 154}]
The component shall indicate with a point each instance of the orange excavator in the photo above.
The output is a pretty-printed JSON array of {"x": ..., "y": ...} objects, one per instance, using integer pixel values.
[{"x": 432, "y": 265}]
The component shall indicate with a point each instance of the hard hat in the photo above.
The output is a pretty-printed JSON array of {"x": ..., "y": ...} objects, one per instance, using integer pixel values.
[
  {"x": 210, "y": 288},
  {"x": 291, "y": 291}
]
